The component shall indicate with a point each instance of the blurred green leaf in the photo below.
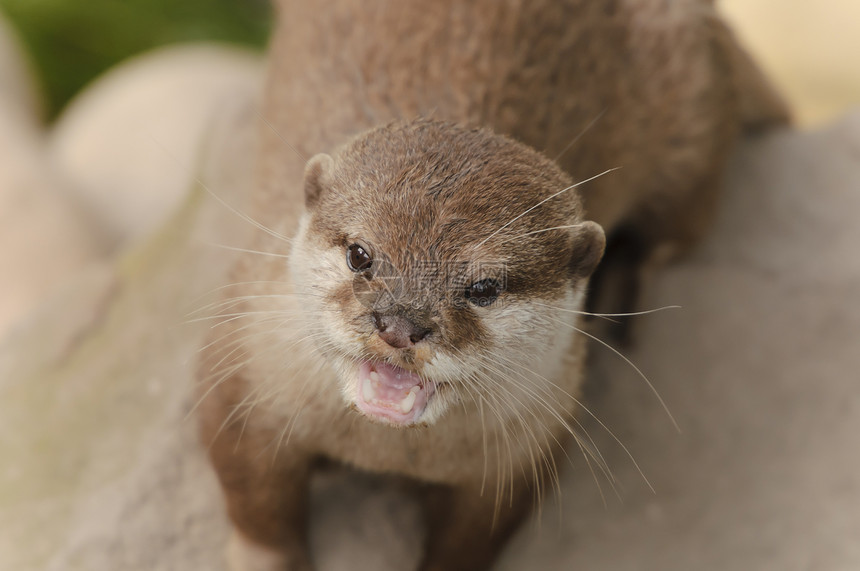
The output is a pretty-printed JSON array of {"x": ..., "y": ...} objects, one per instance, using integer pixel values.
[{"x": 72, "y": 41}]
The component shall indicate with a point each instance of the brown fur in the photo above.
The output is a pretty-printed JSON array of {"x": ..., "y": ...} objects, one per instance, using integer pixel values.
[{"x": 659, "y": 82}]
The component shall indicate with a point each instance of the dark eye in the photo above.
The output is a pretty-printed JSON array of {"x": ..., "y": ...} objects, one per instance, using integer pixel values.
[
  {"x": 358, "y": 259},
  {"x": 484, "y": 292}
]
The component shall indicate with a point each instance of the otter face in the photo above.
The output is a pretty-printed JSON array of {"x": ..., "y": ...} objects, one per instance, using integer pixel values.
[{"x": 426, "y": 253}]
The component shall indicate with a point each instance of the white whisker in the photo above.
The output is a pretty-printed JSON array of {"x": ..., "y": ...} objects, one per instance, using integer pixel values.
[
  {"x": 631, "y": 314},
  {"x": 581, "y": 134},
  {"x": 635, "y": 368},
  {"x": 284, "y": 141},
  {"x": 247, "y": 251},
  {"x": 223, "y": 202},
  {"x": 575, "y": 185}
]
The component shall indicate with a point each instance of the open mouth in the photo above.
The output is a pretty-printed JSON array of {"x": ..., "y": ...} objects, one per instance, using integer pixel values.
[{"x": 392, "y": 394}]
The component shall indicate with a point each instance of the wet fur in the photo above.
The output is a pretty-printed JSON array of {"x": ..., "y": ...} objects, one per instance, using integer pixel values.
[{"x": 650, "y": 86}]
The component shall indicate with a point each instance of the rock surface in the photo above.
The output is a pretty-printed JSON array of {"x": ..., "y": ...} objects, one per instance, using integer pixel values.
[
  {"x": 129, "y": 144},
  {"x": 99, "y": 467},
  {"x": 43, "y": 237}
]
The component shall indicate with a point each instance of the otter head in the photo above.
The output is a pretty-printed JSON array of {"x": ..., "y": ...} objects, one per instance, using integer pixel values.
[{"x": 437, "y": 262}]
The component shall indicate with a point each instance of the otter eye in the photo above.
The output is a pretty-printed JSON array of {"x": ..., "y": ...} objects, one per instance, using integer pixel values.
[
  {"x": 484, "y": 292},
  {"x": 358, "y": 259}
]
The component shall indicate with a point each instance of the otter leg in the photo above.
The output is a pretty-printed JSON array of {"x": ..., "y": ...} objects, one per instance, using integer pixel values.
[
  {"x": 269, "y": 514},
  {"x": 266, "y": 493},
  {"x": 466, "y": 530}
]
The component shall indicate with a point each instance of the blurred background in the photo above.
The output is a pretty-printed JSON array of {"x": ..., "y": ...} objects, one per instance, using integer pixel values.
[
  {"x": 809, "y": 48},
  {"x": 106, "y": 107},
  {"x": 71, "y": 42}
]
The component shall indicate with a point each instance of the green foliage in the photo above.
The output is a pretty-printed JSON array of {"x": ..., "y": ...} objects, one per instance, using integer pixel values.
[{"x": 72, "y": 41}]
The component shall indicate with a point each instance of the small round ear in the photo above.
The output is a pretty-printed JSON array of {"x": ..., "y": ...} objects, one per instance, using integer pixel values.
[
  {"x": 317, "y": 172},
  {"x": 589, "y": 243}
]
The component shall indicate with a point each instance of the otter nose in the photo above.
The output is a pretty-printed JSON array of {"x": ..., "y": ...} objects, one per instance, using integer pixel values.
[{"x": 398, "y": 331}]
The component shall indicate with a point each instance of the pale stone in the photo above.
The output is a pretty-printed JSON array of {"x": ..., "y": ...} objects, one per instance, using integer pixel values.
[
  {"x": 809, "y": 48},
  {"x": 100, "y": 468},
  {"x": 130, "y": 143},
  {"x": 44, "y": 239}
]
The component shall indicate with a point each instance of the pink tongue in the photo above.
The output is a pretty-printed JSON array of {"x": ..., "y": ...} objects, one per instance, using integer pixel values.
[{"x": 391, "y": 393}]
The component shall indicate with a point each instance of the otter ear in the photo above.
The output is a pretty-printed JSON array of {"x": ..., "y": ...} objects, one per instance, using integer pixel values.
[
  {"x": 317, "y": 173},
  {"x": 588, "y": 247}
]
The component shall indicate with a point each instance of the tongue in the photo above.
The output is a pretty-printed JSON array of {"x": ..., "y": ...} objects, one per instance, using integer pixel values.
[{"x": 392, "y": 394}]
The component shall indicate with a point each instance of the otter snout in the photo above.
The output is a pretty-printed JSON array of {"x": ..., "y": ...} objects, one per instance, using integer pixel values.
[{"x": 398, "y": 331}]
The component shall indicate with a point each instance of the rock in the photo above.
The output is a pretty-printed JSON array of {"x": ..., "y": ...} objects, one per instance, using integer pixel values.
[
  {"x": 130, "y": 143},
  {"x": 43, "y": 237},
  {"x": 99, "y": 466}
]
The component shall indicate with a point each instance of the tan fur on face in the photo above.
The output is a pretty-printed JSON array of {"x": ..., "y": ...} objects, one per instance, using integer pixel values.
[
  {"x": 458, "y": 187},
  {"x": 439, "y": 176}
]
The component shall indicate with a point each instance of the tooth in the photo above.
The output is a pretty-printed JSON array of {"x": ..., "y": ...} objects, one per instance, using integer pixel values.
[
  {"x": 407, "y": 403},
  {"x": 374, "y": 376},
  {"x": 367, "y": 390}
]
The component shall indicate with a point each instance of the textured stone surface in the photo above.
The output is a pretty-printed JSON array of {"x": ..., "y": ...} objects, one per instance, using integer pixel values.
[
  {"x": 99, "y": 465},
  {"x": 42, "y": 236},
  {"x": 130, "y": 143}
]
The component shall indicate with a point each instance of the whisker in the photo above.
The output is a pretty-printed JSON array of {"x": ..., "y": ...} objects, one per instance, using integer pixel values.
[
  {"x": 598, "y": 458},
  {"x": 591, "y": 414},
  {"x": 581, "y": 134},
  {"x": 539, "y": 453},
  {"x": 247, "y": 251},
  {"x": 635, "y": 368},
  {"x": 538, "y": 232},
  {"x": 575, "y": 185},
  {"x": 230, "y": 302},
  {"x": 227, "y": 317},
  {"x": 607, "y": 315},
  {"x": 223, "y": 202},
  {"x": 284, "y": 141}
]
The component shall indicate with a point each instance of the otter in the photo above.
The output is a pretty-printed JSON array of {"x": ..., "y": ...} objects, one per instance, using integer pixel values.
[{"x": 419, "y": 313}]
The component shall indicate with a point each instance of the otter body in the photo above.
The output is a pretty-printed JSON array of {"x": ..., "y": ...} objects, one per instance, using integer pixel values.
[{"x": 425, "y": 323}]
